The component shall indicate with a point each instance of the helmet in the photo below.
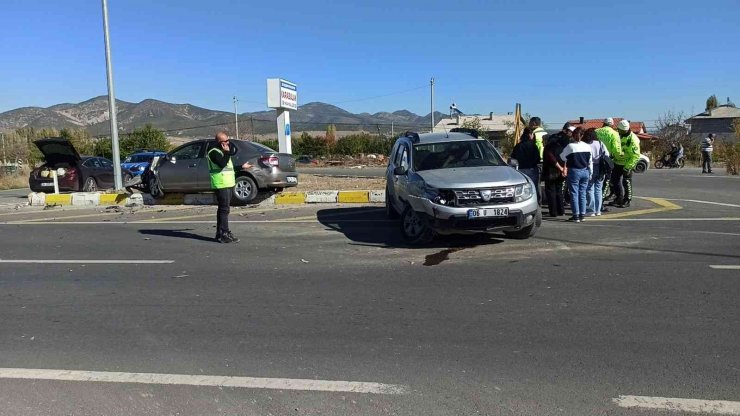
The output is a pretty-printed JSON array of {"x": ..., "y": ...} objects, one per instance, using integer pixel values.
[
  {"x": 609, "y": 121},
  {"x": 623, "y": 125}
]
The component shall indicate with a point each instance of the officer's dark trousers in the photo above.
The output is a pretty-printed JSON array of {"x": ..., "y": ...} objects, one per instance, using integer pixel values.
[
  {"x": 621, "y": 183},
  {"x": 223, "y": 197}
]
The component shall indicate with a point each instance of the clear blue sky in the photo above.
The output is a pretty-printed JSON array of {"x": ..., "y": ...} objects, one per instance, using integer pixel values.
[{"x": 560, "y": 59}]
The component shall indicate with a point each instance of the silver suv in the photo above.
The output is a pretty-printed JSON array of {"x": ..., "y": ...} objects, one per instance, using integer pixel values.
[{"x": 448, "y": 183}]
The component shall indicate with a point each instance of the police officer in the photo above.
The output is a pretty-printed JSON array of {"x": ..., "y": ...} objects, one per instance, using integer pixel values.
[
  {"x": 608, "y": 135},
  {"x": 535, "y": 123},
  {"x": 624, "y": 165},
  {"x": 223, "y": 179}
]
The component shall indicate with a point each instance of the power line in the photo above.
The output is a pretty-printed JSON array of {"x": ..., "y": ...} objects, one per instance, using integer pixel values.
[{"x": 380, "y": 96}]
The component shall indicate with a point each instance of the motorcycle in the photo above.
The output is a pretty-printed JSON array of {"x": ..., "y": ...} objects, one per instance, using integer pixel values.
[{"x": 666, "y": 162}]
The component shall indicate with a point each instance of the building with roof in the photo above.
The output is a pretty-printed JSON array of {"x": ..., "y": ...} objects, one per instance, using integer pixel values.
[
  {"x": 494, "y": 127},
  {"x": 718, "y": 121}
]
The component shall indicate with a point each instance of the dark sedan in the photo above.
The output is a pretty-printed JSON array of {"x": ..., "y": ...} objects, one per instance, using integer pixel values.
[
  {"x": 185, "y": 169},
  {"x": 74, "y": 172}
]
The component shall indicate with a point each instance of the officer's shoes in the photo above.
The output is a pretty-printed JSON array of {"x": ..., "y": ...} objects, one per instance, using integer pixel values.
[{"x": 231, "y": 238}]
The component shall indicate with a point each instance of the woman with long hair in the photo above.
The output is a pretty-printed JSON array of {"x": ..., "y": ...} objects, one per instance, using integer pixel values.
[{"x": 577, "y": 156}]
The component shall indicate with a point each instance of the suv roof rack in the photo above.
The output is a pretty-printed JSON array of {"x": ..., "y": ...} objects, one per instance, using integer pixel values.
[
  {"x": 472, "y": 132},
  {"x": 412, "y": 135}
]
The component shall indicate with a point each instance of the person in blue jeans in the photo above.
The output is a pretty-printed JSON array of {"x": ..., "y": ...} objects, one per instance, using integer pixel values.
[
  {"x": 594, "y": 192},
  {"x": 577, "y": 156}
]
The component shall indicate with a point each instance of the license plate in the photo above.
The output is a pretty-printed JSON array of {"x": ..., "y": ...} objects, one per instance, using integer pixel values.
[
  {"x": 292, "y": 179},
  {"x": 47, "y": 184},
  {"x": 488, "y": 212}
]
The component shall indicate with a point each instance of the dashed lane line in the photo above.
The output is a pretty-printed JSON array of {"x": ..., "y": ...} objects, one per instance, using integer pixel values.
[
  {"x": 204, "y": 380},
  {"x": 724, "y": 266},
  {"x": 715, "y": 407}
]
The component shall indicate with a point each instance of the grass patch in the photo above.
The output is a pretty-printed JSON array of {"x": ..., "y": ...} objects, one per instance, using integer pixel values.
[{"x": 14, "y": 181}]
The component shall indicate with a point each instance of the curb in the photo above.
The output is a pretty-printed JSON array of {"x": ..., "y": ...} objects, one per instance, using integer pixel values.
[
  {"x": 84, "y": 199},
  {"x": 91, "y": 199}
]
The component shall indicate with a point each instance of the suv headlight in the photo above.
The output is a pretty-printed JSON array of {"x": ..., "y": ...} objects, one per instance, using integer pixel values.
[{"x": 523, "y": 192}]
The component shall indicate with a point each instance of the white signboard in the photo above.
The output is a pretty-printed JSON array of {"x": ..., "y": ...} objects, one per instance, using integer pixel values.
[{"x": 282, "y": 94}]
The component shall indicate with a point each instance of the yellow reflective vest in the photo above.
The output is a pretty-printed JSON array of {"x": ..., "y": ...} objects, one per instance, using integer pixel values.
[
  {"x": 539, "y": 134},
  {"x": 221, "y": 178}
]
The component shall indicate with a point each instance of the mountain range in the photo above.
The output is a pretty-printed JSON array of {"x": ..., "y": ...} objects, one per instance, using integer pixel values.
[{"x": 187, "y": 120}]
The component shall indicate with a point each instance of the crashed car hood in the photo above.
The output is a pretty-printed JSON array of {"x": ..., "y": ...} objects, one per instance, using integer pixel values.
[
  {"x": 470, "y": 178},
  {"x": 57, "y": 150}
]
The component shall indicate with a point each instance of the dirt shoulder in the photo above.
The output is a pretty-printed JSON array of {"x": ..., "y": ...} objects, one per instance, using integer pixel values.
[{"x": 308, "y": 182}]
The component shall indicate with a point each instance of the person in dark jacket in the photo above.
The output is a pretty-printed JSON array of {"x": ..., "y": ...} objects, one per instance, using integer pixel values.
[
  {"x": 527, "y": 155},
  {"x": 554, "y": 173}
]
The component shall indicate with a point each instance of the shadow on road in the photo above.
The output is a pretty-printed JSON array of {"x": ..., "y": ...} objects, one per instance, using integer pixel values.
[
  {"x": 369, "y": 226},
  {"x": 177, "y": 234}
]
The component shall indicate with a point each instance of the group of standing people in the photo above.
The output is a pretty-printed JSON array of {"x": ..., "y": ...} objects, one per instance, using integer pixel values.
[{"x": 590, "y": 165}]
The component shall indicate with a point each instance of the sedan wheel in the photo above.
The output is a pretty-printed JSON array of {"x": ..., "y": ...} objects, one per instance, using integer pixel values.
[
  {"x": 245, "y": 190},
  {"x": 155, "y": 189},
  {"x": 90, "y": 185},
  {"x": 414, "y": 228}
]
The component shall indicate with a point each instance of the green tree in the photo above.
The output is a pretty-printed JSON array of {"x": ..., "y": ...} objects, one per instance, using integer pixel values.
[
  {"x": 147, "y": 137},
  {"x": 331, "y": 134},
  {"x": 712, "y": 102},
  {"x": 473, "y": 123}
]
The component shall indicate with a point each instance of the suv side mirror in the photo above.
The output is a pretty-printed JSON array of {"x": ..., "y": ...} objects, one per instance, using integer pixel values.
[
  {"x": 400, "y": 171},
  {"x": 173, "y": 159},
  {"x": 514, "y": 164}
]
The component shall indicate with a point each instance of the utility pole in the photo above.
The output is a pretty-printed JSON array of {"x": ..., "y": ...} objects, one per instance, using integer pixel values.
[
  {"x": 2, "y": 137},
  {"x": 251, "y": 121},
  {"x": 117, "y": 181},
  {"x": 393, "y": 131},
  {"x": 236, "y": 118},
  {"x": 432, "y": 102}
]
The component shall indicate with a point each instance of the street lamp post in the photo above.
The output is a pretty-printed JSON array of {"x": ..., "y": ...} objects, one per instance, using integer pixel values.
[{"x": 118, "y": 183}]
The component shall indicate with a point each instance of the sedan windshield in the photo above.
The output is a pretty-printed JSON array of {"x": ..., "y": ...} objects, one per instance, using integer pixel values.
[
  {"x": 138, "y": 159},
  {"x": 463, "y": 154}
]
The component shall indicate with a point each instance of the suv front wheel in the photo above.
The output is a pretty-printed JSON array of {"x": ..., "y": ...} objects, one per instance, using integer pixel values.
[
  {"x": 528, "y": 231},
  {"x": 414, "y": 227}
]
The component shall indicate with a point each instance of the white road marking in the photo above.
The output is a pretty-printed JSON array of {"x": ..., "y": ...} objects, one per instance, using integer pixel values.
[
  {"x": 666, "y": 219},
  {"x": 202, "y": 380},
  {"x": 723, "y": 204},
  {"x": 717, "y": 407},
  {"x": 88, "y": 261},
  {"x": 725, "y": 266}
]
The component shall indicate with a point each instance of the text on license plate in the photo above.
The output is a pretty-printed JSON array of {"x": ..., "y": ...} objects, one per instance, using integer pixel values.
[
  {"x": 292, "y": 179},
  {"x": 47, "y": 184},
  {"x": 488, "y": 212}
]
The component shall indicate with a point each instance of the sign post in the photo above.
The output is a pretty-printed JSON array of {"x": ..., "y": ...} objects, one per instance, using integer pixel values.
[{"x": 282, "y": 95}]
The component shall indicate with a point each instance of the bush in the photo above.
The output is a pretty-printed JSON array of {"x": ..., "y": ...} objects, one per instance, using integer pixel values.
[
  {"x": 351, "y": 145},
  {"x": 730, "y": 154}
]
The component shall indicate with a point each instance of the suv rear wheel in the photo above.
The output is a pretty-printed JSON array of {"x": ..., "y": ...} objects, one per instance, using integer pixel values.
[{"x": 414, "y": 227}]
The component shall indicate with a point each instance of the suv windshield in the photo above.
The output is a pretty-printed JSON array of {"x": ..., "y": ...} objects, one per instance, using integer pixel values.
[{"x": 462, "y": 154}]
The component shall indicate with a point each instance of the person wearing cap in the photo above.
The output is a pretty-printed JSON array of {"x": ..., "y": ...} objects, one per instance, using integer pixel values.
[
  {"x": 624, "y": 164},
  {"x": 706, "y": 154},
  {"x": 535, "y": 123},
  {"x": 608, "y": 135}
]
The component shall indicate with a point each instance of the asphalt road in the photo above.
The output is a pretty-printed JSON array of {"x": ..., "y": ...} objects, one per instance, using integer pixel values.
[{"x": 561, "y": 324}]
